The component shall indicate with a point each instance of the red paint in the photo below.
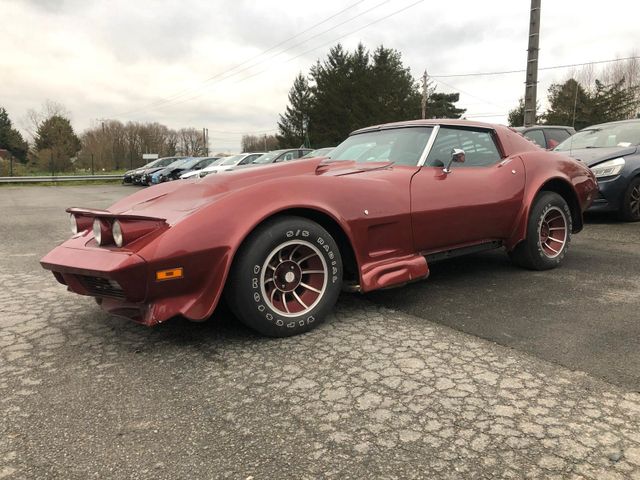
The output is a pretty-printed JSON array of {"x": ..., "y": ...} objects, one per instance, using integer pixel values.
[{"x": 199, "y": 224}]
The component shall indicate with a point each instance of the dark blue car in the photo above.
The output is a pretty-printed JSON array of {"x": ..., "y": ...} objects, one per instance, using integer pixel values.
[{"x": 612, "y": 152}]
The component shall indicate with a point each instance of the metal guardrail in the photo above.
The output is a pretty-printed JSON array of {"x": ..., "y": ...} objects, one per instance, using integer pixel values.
[{"x": 55, "y": 179}]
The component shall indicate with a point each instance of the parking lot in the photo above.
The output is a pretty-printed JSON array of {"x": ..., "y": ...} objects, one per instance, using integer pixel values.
[{"x": 482, "y": 371}]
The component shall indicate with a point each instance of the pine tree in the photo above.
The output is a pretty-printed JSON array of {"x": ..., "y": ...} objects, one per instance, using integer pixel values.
[
  {"x": 613, "y": 102},
  {"x": 563, "y": 99},
  {"x": 292, "y": 126},
  {"x": 330, "y": 115},
  {"x": 11, "y": 139},
  {"x": 55, "y": 137},
  {"x": 441, "y": 105},
  {"x": 395, "y": 91}
]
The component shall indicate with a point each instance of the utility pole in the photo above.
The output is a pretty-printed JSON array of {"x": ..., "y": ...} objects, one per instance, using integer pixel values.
[
  {"x": 265, "y": 142},
  {"x": 425, "y": 94},
  {"x": 531, "y": 83},
  {"x": 205, "y": 140}
]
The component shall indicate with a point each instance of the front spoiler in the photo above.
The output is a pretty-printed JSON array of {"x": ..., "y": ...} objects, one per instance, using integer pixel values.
[
  {"x": 124, "y": 282},
  {"x": 81, "y": 269}
]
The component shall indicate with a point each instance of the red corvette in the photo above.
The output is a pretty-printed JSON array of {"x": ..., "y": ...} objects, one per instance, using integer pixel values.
[{"x": 281, "y": 241}]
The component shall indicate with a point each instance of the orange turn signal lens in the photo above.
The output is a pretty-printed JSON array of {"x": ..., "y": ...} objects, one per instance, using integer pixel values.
[{"x": 170, "y": 274}]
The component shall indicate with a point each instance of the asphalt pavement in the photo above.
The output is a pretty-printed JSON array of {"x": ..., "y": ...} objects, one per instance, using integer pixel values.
[{"x": 482, "y": 371}]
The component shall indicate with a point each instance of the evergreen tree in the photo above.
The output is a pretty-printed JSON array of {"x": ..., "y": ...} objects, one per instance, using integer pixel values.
[
  {"x": 11, "y": 139},
  {"x": 563, "y": 98},
  {"x": 329, "y": 119},
  {"x": 395, "y": 92},
  {"x": 516, "y": 116},
  {"x": 292, "y": 126},
  {"x": 55, "y": 137},
  {"x": 613, "y": 102},
  {"x": 441, "y": 105}
]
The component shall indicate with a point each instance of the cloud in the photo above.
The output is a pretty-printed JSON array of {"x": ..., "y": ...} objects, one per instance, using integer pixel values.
[{"x": 175, "y": 61}]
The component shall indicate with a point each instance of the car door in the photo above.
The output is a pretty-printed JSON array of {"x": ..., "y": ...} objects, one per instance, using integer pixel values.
[{"x": 477, "y": 201}]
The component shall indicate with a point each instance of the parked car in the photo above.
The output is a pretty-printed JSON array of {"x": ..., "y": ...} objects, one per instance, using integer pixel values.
[
  {"x": 228, "y": 163},
  {"x": 193, "y": 164},
  {"x": 320, "y": 152},
  {"x": 547, "y": 136},
  {"x": 276, "y": 156},
  {"x": 127, "y": 178},
  {"x": 612, "y": 151},
  {"x": 282, "y": 240},
  {"x": 142, "y": 176},
  {"x": 148, "y": 177}
]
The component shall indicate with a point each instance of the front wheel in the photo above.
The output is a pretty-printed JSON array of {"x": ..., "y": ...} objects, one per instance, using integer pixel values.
[
  {"x": 630, "y": 210},
  {"x": 286, "y": 277},
  {"x": 548, "y": 234}
]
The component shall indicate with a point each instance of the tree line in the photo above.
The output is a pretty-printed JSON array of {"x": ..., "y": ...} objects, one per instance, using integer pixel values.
[
  {"x": 589, "y": 97},
  {"x": 344, "y": 91},
  {"x": 109, "y": 145}
]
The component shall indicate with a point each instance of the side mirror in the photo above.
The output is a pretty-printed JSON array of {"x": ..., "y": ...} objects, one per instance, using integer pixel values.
[{"x": 457, "y": 155}]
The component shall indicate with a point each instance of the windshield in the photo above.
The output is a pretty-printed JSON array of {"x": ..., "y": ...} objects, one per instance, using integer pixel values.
[
  {"x": 268, "y": 157},
  {"x": 399, "y": 145},
  {"x": 179, "y": 162},
  {"x": 205, "y": 162},
  {"x": 613, "y": 135},
  {"x": 231, "y": 160},
  {"x": 321, "y": 152}
]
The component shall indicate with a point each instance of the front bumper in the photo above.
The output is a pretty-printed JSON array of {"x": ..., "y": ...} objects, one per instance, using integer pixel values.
[
  {"x": 610, "y": 194},
  {"x": 124, "y": 282}
]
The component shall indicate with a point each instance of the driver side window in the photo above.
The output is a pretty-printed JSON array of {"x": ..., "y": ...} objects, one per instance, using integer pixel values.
[{"x": 478, "y": 145}]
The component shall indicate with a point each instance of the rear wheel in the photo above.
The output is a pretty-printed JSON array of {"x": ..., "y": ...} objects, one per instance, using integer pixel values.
[
  {"x": 548, "y": 234},
  {"x": 286, "y": 277},
  {"x": 630, "y": 210}
]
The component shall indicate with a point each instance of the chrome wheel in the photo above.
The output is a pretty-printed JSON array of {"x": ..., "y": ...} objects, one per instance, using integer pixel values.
[
  {"x": 552, "y": 232},
  {"x": 294, "y": 278}
]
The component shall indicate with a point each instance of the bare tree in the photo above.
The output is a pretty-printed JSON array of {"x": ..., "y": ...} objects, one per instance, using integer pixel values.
[
  {"x": 190, "y": 142},
  {"x": 259, "y": 143},
  {"x": 35, "y": 118}
]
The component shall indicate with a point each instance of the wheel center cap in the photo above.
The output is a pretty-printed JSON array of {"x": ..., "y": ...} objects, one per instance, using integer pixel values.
[{"x": 287, "y": 276}]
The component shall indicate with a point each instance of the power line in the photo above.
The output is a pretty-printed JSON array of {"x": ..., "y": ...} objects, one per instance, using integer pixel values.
[
  {"x": 459, "y": 90},
  {"x": 554, "y": 67},
  {"x": 310, "y": 50},
  {"x": 230, "y": 72},
  {"x": 182, "y": 92}
]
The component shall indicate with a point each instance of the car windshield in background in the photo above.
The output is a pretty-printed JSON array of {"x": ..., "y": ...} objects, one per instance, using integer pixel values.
[
  {"x": 178, "y": 163},
  {"x": 321, "y": 152},
  {"x": 268, "y": 157},
  {"x": 614, "y": 135},
  {"x": 230, "y": 160},
  {"x": 207, "y": 162},
  {"x": 403, "y": 146},
  {"x": 190, "y": 162}
]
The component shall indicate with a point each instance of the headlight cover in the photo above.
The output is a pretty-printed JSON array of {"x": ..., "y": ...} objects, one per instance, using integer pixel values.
[
  {"x": 73, "y": 224},
  {"x": 116, "y": 231},
  {"x": 608, "y": 168},
  {"x": 97, "y": 231}
]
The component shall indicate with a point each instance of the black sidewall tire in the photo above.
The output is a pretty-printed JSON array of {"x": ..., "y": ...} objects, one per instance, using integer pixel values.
[
  {"x": 243, "y": 290},
  {"x": 625, "y": 212},
  {"x": 528, "y": 253}
]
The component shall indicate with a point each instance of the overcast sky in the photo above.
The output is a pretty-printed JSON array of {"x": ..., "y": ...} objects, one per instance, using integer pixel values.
[{"x": 176, "y": 62}]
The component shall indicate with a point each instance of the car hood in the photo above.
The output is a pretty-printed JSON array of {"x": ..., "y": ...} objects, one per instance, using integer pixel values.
[
  {"x": 593, "y": 156},
  {"x": 172, "y": 201}
]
